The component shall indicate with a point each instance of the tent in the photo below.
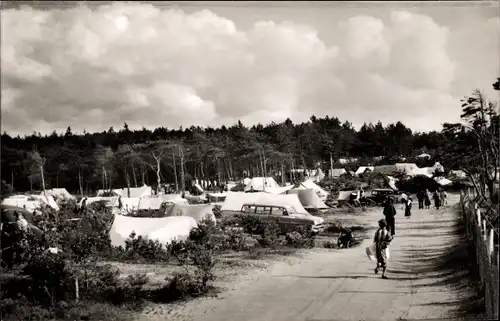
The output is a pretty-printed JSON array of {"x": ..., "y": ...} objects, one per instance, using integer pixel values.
[
  {"x": 411, "y": 169},
  {"x": 163, "y": 229},
  {"x": 134, "y": 191},
  {"x": 235, "y": 200},
  {"x": 216, "y": 197},
  {"x": 30, "y": 202},
  {"x": 278, "y": 190},
  {"x": 443, "y": 181},
  {"x": 308, "y": 198},
  {"x": 423, "y": 155},
  {"x": 319, "y": 175},
  {"x": 363, "y": 169},
  {"x": 385, "y": 169},
  {"x": 150, "y": 203},
  {"x": 111, "y": 201},
  {"x": 460, "y": 174},
  {"x": 344, "y": 195},
  {"x": 337, "y": 172},
  {"x": 317, "y": 189},
  {"x": 199, "y": 212},
  {"x": 59, "y": 193},
  {"x": 260, "y": 183}
]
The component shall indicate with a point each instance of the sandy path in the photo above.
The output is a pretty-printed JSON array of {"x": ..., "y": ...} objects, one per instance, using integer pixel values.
[{"x": 340, "y": 284}]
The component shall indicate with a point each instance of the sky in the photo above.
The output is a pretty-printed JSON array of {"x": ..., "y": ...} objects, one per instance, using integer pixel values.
[{"x": 172, "y": 64}]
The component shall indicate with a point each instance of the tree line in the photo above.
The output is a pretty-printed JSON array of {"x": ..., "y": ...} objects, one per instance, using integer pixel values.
[{"x": 83, "y": 163}]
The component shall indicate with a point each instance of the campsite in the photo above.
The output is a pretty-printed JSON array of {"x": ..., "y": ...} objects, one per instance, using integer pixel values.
[{"x": 249, "y": 161}]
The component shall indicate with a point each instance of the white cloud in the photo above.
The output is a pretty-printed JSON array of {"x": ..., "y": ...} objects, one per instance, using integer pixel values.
[{"x": 148, "y": 66}]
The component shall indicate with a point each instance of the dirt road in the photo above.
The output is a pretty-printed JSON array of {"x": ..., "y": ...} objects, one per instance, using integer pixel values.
[{"x": 341, "y": 285}]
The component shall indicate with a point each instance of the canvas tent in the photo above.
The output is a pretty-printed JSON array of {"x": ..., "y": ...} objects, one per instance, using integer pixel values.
[
  {"x": 308, "y": 198},
  {"x": 443, "y": 181},
  {"x": 150, "y": 203},
  {"x": 317, "y": 189},
  {"x": 344, "y": 195},
  {"x": 260, "y": 183},
  {"x": 336, "y": 172},
  {"x": 278, "y": 190},
  {"x": 363, "y": 169},
  {"x": 173, "y": 198},
  {"x": 423, "y": 156},
  {"x": 386, "y": 169},
  {"x": 31, "y": 202},
  {"x": 163, "y": 229},
  {"x": 59, "y": 193},
  {"x": 142, "y": 191},
  {"x": 198, "y": 212},
  {"x": 235, "y": 200},
  {"x": 111, "y": 201},
  {"x": 459, "y": 174},
  {"x": 319, "y": 175}
]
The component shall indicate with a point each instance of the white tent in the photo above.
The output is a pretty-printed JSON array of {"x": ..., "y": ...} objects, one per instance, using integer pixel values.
[
  {"x": 278, "y": 190},
  {"x": 344, "y": 195},
  {"x": 443, "y": 181},
  {"x": 460, "y": 174},
  {"x": 336, "y": 172},
  {"x": 111, "y": 201},
  {"x": 392, "y": 182},
  {"x": 362, "y": 169},
  {"x": 163, "y": 229},
  {"x": 142, "y": 191},
  {"x": 235, "y": 200},
  {"x": 308, "y": 198},
  {"x": 317, "y": 189},
  {"x": 319, "y": 176},
  {"x": 173, "y": 198},
  {"x": 31, "y": 202},
  {"x": 423, "y": 155},
  {"x": 260, "y": 183},
  {"x": 59, "y": 193},
  {"x": 198, "y": 212}
]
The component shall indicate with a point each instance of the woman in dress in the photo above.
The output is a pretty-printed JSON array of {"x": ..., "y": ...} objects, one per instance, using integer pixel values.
[
  {"x": 408, "y": 207},
  {"x": 427, "y": 199},
  {"x": 382, "y": 239}
]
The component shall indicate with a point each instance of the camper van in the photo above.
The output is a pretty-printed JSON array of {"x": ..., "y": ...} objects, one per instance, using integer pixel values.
[{"x": 285, "y": 216}]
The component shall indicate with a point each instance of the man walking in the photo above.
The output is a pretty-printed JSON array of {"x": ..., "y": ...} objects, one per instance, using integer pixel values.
[
  {"x": 420, "y": 197},
  {"x": 389, "y": 213}
]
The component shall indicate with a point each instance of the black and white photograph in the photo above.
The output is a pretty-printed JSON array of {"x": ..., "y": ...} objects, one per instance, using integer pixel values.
[{"x": 249, "y": 160}]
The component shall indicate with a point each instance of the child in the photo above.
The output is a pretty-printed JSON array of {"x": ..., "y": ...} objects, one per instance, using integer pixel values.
[
  {"x": 408, "y": 208},
  {"x": 382, "y": 239}
]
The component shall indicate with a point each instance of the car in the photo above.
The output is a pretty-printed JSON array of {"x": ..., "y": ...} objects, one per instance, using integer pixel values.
[
  {"x": 380, "y": 195},
  {"x": 285, "y": 216}
]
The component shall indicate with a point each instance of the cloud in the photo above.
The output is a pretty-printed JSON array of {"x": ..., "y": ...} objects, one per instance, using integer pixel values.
[{"x": 149, "y": 66}]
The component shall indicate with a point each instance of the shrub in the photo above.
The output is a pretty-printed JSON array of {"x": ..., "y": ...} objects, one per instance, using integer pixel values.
[
  {"x": 141, "y": 250},
  {"x": 271, "y": 235},
  {"x": 330, "y": 244},
  {"x": 217, "y": 211},
  {"x": 301, "y": 238}
]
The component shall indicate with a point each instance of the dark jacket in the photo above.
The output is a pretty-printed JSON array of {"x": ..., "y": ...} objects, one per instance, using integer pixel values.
[{"x": 389, "y": 212}]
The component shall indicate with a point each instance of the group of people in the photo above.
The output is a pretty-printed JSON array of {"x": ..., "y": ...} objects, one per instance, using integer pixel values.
[
  {"x": 387, "y": 226},
  {"x": 424, "y": 198}
]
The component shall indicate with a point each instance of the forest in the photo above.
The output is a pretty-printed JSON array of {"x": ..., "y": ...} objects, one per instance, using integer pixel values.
[{"x": 116, "y": 158}]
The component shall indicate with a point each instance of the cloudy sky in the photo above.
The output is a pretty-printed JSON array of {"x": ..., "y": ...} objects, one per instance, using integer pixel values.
[{"x": 211, "y": 63}]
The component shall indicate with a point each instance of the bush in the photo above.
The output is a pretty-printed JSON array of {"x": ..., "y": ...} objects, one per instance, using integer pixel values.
[
  {"x": 217, "y": 211},
  {"x": 271, "y": 235},
  {"x": 330, "y": 245},
  {"x": 301, "y": 238},
  {"x": 141, "y": 250}
]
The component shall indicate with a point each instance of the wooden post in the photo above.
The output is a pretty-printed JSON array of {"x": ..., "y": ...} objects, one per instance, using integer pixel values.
[
  {"x": 491, "y": 244},
  {"x": 77, "y": 290}
]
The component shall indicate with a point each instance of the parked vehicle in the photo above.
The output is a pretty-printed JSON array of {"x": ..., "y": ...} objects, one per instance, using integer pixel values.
[
  {"x": 379, "y": 195},
  {"x": 285, "y": 216}
]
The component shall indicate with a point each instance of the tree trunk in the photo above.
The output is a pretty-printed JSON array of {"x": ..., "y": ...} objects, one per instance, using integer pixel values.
[
  {"x": 218, "y": 170},
  {"x": 128, "y": 181},
  {"x": 80, "y": 183},
  {"x": 43, "y": 180},
  {"x": 31, "y": 183},
  {"x": 283, "y": 173},
  {"x": 134, "y": 176},
  {"x": 175, "y": 174},
  {"x": 158, "y": 177},
  {"x": 183, "y": 183},
  {"x": 57, "y": 178},
  {"x": 231, "y": 170},
  {"x": 12, "y": 177},
  {"x": 143, "y": 176}
]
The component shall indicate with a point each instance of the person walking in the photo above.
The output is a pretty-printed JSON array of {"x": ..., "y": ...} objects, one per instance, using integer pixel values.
[
  {"x": 382, "y": 240},
  {"x": 437, "y": 199},
  {"x": 427, "y": 199},
  {"x": 444, "y": 198},
  {"x": 408, "y": 207},
  {"x": 420, "y": 198},
  {"x": 389, "y": 213}
]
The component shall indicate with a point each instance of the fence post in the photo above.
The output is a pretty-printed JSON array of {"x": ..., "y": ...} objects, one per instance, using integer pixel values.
[{"x": 491, "y": 245}]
